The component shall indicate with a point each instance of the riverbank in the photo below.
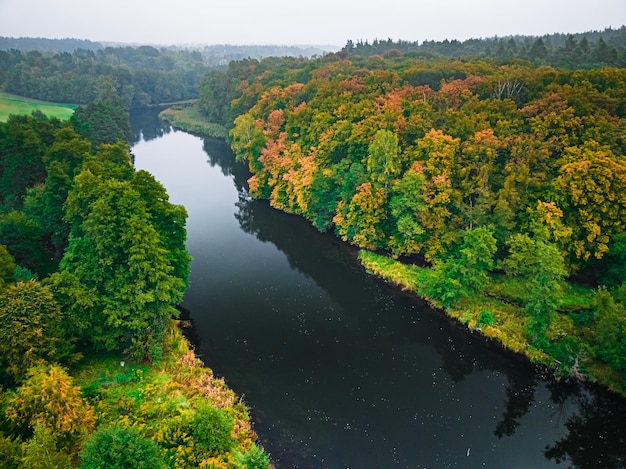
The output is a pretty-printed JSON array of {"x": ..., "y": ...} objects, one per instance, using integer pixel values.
[
  {"x": 187, "y": 117},
  {"x": 167, "y": 400},
  {"x": 499, "y": 316}
]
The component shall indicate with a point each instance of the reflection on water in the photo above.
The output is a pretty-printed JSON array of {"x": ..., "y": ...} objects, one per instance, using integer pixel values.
[
  {"x": 145, "y": 124},
  {"x": 339, "y": 369}
]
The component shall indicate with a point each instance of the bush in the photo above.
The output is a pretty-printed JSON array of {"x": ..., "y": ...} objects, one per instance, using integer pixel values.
[
  {"x": 212, "y": 429},
  {"x": 49, "y": 399},
  {"x": 254, "y": 458},
  {"x": 120, "y": 448},
  {"x": 485, "y": 319}
]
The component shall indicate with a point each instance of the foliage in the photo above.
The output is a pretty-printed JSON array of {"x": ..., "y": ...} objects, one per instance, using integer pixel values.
[
  {"x": 140, "y": 76},
  {"x": 40, "y": 452},
  {"x": 485, "y": 319},
  {"x": 541, "y": 265},
  {"x": 254, "y": 458},
  {"x": 571, "y": 51},
  {"x": 211, "y": 429},
  {"x": 30, "y": 308},
  {"x": 7, "y": 266},
  {"x": 466, "y": 272},
  {"x": 177, "y": 402},
  {"x": 10, "y": 452},
  {"x": 49, "y": 399},
  {"x": 120, "y": 448},
  {"x": 610, "y": 331},
  {"x": 118, "y": 253},
  {"x": 102, "y": 122}
]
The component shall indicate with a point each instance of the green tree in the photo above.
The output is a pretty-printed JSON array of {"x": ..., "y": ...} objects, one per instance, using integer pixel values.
[
  {"x": 23, "y": 143},
  {"x": 22, "y": 237},
  {"x": 383, "y": 161},
  {"x": 169, "y": 220},
  {"x": 102, "y": 122},
  {"x": 465, "y": 272},
  {"x": 119, "y": 254},
  {"x": 540, "y": 264},
  {"x": 7, "y": 266},
  {"x": 40, "y": 452},
  {"x": 610, "y": 331},
  {"x": 120, "y": 448},
  {"x": 212, "y": 429},
  {"x": 407, "y": 202},
  {"x": 30, "y": 308}
]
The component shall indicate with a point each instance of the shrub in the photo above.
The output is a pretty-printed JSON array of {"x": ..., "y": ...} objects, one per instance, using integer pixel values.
[
  {"x": 485, "y": 319},
  {"x": 50, "y": 399},
  {"x": 120, "y": 448},
  {"x": 254, "y": 458},
  {"x": 212, "y": 429}
]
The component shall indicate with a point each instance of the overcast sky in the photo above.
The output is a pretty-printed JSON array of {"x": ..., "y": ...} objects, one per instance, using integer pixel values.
[{"x": 319, "y": 22}]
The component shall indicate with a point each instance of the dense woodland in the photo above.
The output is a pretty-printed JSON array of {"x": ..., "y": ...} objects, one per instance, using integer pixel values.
[
  {"x": 93, "y": 265},
  {"x": 477, "y": 167},
  {"x": 139, "y": 76}
]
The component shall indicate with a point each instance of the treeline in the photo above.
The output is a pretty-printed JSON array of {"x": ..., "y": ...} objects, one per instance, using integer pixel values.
[
  {"x": 571, "y": 51},
  {"x": 43, "y": 44},
  {"x": 474, "y": 167},
  {"x": 140, "y": 76},
  {"x": 220, "y": 55}
]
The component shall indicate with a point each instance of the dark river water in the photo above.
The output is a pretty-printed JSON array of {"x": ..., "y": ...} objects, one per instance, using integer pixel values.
[{"x": 340, "y": 370}]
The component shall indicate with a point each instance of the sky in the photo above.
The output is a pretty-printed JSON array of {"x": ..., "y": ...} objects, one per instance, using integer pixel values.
[{"x": 295, "y": 22}]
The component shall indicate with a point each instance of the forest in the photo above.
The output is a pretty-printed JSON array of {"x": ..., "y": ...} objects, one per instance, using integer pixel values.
[
  {"x": 93, "y": 266},
  {"x": 503, "y": 182}
]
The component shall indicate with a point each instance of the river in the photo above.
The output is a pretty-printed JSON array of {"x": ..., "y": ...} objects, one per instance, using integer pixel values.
[{"x": 340, "y": 370}]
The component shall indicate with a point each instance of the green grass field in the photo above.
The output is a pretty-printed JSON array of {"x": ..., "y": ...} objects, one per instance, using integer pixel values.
[{"x": 11, "y": 104}]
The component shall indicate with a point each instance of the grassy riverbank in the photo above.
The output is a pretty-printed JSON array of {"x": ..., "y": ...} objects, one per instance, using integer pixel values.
[
  {"x": 18, "y": 105},
  {"x": 187, "y": 117},
  {"x": 499, "y": 315},
  {"x": 167, "y": 400}
]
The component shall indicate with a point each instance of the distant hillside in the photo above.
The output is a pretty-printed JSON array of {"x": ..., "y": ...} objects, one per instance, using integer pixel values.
[{"x": 47, "y": 45}]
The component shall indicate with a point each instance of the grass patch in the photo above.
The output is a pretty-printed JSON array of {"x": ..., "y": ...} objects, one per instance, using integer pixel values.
[
  {"x": 187, "y": 117},
  {"x": 18, "y": 105}
]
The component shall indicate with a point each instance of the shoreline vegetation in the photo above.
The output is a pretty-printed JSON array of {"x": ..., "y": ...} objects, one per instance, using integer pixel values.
[
  {"x": 499, "y": 316},
  {"x": 167, "y": 399},
  {"x": 186, "y": 116}
]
